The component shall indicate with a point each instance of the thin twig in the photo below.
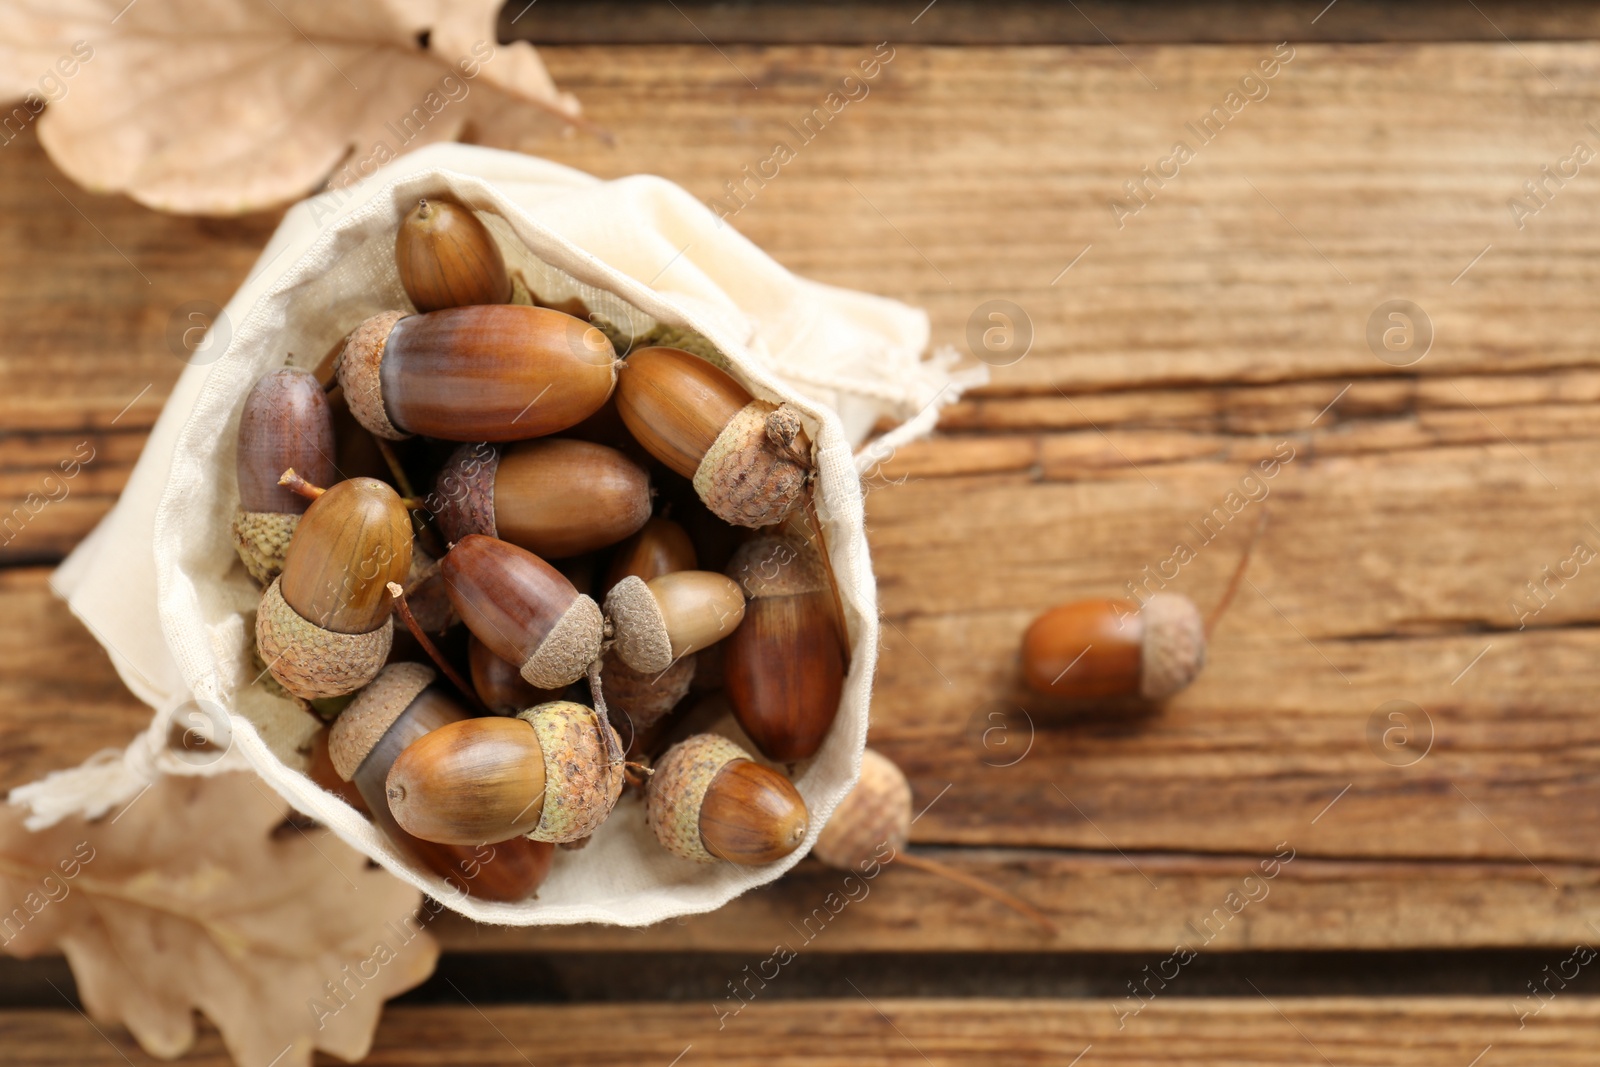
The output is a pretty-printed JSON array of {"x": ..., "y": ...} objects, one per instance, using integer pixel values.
[
  {"x": 298, "y": 485},
  {"x": 972, "y": 881},
  {"x": 445, "y": 668},
  {"x": 608, "y": 736},
  {"x": 1238, "y": 573}
]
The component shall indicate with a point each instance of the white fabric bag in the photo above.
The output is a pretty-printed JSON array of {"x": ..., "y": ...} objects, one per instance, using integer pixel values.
[{"x": 158, "y": 583}]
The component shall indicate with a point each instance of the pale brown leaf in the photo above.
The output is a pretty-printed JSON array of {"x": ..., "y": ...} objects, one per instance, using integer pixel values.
[
  {"x": 187, "y": 899},
  {"x": 221, "y": 107}
]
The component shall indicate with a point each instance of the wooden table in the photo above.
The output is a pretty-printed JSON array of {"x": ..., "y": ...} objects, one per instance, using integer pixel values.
[{"x": 1436, "y": 870}]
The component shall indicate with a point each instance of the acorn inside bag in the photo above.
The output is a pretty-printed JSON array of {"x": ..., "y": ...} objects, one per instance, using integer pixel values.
[{"x": 159, "y": 584}]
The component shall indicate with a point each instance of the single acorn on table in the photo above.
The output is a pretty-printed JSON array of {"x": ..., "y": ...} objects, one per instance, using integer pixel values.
[
  {"x": 750, "y": 459},
  {"x": 524, "y": 610},
  {"x": 489, "y": 372},
  {"x": 783, "y": 668},
  {"x": 1112, "y": 647},
  {"x": 400, "y": 706},
  {"x": 546, "y": 773},
  {"x": 708, "y": 800},
  {"x": 554, "y": 497},
  {"x": 285, "y": 423},
  {"x": 324, "y": 626},
  {"x": 448, "y": 259}
]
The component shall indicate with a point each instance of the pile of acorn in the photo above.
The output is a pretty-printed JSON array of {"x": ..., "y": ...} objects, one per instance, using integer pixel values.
[{"x": 608, "y": 532}]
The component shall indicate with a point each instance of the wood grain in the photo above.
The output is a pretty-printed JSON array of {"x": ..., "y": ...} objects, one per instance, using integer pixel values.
[
  {"x": 1226, "y": 319},
  {"x": 1400, "y": 1031}
]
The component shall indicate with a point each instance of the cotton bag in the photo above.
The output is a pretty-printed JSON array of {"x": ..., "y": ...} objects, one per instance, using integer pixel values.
[{"x": 159, "y": 585}]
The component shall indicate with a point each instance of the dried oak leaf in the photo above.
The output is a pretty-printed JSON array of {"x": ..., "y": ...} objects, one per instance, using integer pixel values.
[
  {"x": 188, "y": 900},
  {"x": 219, "y": 107}
]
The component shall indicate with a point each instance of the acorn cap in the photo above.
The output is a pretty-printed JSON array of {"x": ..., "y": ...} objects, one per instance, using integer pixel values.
[
  {"x": 1174, "y": 646},
  {"x": 645, "y": 698},
  {"x": 638, "y": 626},
  {"x": 752, "y": 474},
  {"x": 312, "y": 662},
  {"x": 467, "y": 501},
  {"x": 262, "y": 540},
  {"x": 567, "y": 650},
  {"x": 776, "y": 565},
  {"x": 362, "y": 724},
  {"x": 582, "y": 784},
  {"x": 678, "y": 787},
  {"x": 877, "y": 810},
  {"x": 358, "y": 372}
]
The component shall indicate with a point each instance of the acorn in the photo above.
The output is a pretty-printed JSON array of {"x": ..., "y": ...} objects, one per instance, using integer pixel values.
[
  {"x": 750, "y": 459},
  {"x": 447, "y": 258},
  {"x": 554, "y": 497},
  {"x": 499, "y": 685},
  {"x": 544, "y": 773},
  {"x": 399, "y": 707},
  {"x": 876, "y": 816},
  {"x": 708, "y": 800},
  {"x": 660, "y": 547},
  {"x": 1113, "y": 647},
  {"x": 523, "y": 609},
  {"x": 645, "y": 698},
  {"x": 285, "y": 423},
  {"x": 877, "y": 811},
  {"x": 784, "y": 666},
  {"x": 1121, "y": 648},
  {"x": 324, "y": 625},
  {"x": 671, "y": 616},
  {"x": 491, "y": 372}
]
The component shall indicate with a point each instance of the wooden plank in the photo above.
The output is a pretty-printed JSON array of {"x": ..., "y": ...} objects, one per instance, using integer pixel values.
[
  {"x": 51, "y": 672},
  {"x": 1418, "y": 505},
  {"x": 853, "y": 1030},
  {"x": 1385, "y": 159},
  {"x": 971, "y": 22},
  {"x": 60, "y": 699}
]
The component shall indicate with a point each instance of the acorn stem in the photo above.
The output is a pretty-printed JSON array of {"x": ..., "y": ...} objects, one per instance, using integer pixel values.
[
  {"x": 444, "y": 665},
  {"x": 608, "y": 736},
  {"x": 973, "y": 882},
  {"x": 1238, "y": 573},
  {"x": 296, "y": 484}
]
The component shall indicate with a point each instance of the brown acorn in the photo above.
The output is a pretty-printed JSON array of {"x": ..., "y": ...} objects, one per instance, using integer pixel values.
[
  {"x": 1106, "y": 648},
  {"x": 523, "y": 609},
  {"x": 671, "y": 616},
  {"x": 1116, "y": 647},
  {"x": 544, "y": 773},
  {"x": 399, "y": 707},
  {"x": 784, "y": 666},
  {"x": 324, "y": 626},
  {"x": 750, "y": 460},
  {"x": 660, "y": 547},
  {"x": 285, "y": 423},
  {"x": 447, "y": 258},
  {"x": 709, "y": 801},
  {"x": 875, "y": 813},
  {"x": 872, "y": 826},
  {"x": 554, "y": 497},
  {"x": 499, "y": 685},
  {"x": 491, "y": 372},
  {"x": 644, "y": 698}
]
